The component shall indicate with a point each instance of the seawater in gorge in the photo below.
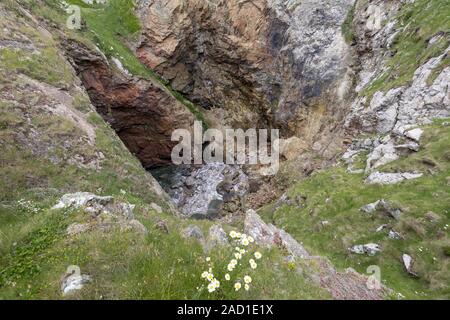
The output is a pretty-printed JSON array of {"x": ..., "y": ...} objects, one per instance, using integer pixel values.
[{"x": 205, "y": 191}]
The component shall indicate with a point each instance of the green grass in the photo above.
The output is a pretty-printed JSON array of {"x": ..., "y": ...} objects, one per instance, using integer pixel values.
[
  {"x": 425, "y": 241},
  {"x": 419, "y": 22},
  {"x": 347, "y": 27}
]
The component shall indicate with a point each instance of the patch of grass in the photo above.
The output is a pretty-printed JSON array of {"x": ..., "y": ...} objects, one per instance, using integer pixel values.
[
  {"x": 334, "y": 195},
  {"x": 39, "y": 66},
  {"x": 418, "y": 22},
  {"x": 348, "y": 28}
]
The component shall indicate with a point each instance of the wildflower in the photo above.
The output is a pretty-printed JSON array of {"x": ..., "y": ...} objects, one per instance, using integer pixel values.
[
  {"x": 250, "y": 239},
  {"x": 233, "y": 262},
  {"x": 247, "y": 279},
  {"x": 238, "y": 235},
  {"x": 237, "y": 249},
  {"x": 245, "y": 242},
  {"x": 247, "y": 287},
  {"x": 238, "y": 256},
  {"x": 205, "y": 274},
  {"x": 233, "y": 234},
  {"x": 230, "y": 267},
  {"x": 208, "y": 259},
  {"x": 242, "y": 251},
  {"x": 237, "y": 286},
  {"x": 210, "y": 277},
  {"x": 211, "y": 287},
  {"x": 258, "y": 255},
  {"x": 227, "y": 277},
  {"x": 216, "y": 283},
  {"x": 253, "y": 265}
]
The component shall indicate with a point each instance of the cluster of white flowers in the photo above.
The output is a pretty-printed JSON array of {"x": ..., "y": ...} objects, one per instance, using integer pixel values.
[
  {"x": 241, "y": 241},
  {"x": 214, "y": 284},
  {"x": 28, "y": 206}
]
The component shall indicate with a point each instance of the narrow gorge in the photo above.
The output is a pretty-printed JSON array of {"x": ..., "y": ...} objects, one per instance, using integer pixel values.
[{"x": 358, "y": 89}]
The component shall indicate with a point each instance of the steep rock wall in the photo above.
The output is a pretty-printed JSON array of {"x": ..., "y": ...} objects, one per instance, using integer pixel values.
[
  {"x": 256, "y": 63},
  {"x": 142, "y": 112}
]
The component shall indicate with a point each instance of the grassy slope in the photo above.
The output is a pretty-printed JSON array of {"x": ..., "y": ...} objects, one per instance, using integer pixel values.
[
  {"x": 34, "y": 251},
  {"x": 418, "y": 22},
  {"x": 427, "y": 242}
]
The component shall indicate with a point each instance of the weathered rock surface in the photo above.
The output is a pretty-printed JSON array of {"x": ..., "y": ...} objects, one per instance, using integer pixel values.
[
  {"x": 207, "y": 191},
  {"x": 408, "y": 263},
  {"x": 382, "y": 206},
  {"x": 391, "y": 178},
  {"x": 105, "y": 213},
  {"x": 260, "y": 62},
  {"x": 141, "y": 111},
  {"x": 348, "y": 285},
  {"x": 370, "y": 249},
  {"x": 73, "y": 282},
  {"x": 398, "y": 108}
]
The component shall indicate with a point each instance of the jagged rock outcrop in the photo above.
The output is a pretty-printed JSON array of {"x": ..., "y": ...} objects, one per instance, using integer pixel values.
[
  {"x": 141, "y": 111},
  {"x": 256, "y": 63},
  {"x": 104, "y": 213},
  {"x": 347, "y": 285}
]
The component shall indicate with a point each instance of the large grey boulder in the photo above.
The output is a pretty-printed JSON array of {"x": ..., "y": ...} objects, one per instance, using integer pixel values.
[
  {"x": 269, "y": 235},
  {"x": 104, "y": 213},
  {"x": 370, "y": 249},
  {"x": 391, "y": 178},
  {"x": 382, "y": 206}
]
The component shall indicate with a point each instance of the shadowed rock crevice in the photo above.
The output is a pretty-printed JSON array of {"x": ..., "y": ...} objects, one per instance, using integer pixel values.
[{"x": 142, "y": 112}]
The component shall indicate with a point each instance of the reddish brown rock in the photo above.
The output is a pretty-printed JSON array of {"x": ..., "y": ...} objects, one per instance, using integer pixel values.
[{"x": 142, "y": 112}]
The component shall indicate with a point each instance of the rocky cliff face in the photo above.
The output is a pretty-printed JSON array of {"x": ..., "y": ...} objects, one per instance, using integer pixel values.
[
  {"x": 142, "y": 112},
  {"x": 264, "y": 63}
]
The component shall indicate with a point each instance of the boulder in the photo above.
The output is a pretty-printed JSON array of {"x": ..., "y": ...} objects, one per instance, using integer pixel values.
[
  {"x": 394, "y": 235},
  {"x": 370, "y": 249},
  {"x": 104, "y": 213},
  {"x": 269, "y": 235},
  {"x": 391, "y": 178},
  {"x": 382, "y": 206},
  {"x": 216, "y": 237},
  {"x": 194, "y": 232},
  {"x": 414, "y": 134},
  {"x": 156, "y": 207},
  {"x": 80, "y": 199},
  {"x": 74, "y": 281},
  {"x": 408, "y": 263}
]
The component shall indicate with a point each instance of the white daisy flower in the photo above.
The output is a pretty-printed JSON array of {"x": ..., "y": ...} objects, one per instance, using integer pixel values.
[
  {"x": 227, "y": 277},
  {"x": 247, "y": 287},
  {"x": 208, "y": 259},
  {"x": 248, "y": 279},
  {"x": 205, "y": 274},
  {"x": 258, "y": 255},
  {"x": 211, "y": 287},
  {"x": 237, "y": 286}
]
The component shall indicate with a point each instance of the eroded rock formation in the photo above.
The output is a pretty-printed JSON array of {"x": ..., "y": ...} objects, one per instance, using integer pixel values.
[
  {"x": 256, "y": 63},
  {"x": 141, "y": 111}
]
